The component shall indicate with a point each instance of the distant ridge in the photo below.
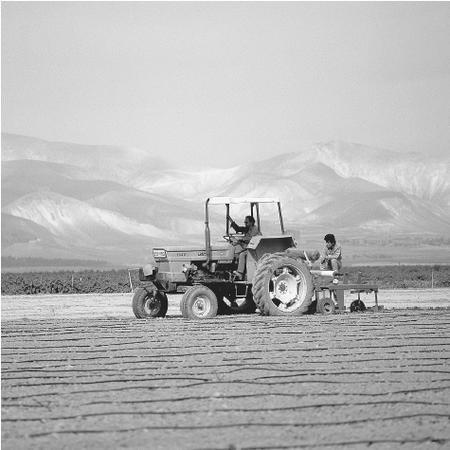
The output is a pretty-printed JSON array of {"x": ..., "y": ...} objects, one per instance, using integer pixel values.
[{"x": 107, "y": 203}]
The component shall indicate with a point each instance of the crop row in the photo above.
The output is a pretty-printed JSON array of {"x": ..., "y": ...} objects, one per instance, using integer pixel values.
[
  {"x": 121, "y": 281},
  {"x": 67, "y": 282}
]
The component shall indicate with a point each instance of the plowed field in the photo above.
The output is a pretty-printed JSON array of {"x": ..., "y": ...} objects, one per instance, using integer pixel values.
[{"x": 233, "y": 382}]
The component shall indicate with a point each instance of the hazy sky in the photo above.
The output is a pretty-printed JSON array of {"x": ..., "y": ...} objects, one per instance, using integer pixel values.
[{"x": 217, "y": 83}]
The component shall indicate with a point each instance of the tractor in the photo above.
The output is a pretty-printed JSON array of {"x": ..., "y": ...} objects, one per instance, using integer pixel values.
[{"x": 277, "y": 279}]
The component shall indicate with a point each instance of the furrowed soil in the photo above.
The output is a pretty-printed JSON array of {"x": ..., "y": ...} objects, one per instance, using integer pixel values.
[{"x": 82, "y": 372}]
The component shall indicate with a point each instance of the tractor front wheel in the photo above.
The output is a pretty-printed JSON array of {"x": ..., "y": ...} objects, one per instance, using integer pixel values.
[
  {"x": 148, "y": 303},
  {"x": 282, "y": 286},
  {"x": 199, "y": 302}
]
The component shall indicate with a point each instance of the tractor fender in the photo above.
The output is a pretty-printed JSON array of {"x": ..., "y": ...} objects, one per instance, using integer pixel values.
[{"x": 266, "y": 244}]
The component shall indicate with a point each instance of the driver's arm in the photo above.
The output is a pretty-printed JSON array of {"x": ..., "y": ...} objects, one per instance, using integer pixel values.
[{"x": 237, "y": 228}]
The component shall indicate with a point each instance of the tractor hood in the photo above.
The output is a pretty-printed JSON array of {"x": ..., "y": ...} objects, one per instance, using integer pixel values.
[
  {"x": 182, "y": 248},
  {"x": 191, "y": 253}
]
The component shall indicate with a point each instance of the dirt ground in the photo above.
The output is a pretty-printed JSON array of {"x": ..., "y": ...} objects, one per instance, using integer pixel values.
[
  {"x": 119, "y": 305},
  {"x": 82, "y": 372}
]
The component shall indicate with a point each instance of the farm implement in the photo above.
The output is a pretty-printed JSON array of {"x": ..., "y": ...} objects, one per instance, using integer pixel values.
[
  {"x": 329, "y": 294},
  {"x": 278, "y": 279}
]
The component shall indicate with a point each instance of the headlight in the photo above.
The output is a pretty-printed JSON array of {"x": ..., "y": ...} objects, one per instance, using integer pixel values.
[{"x": 159, "y": 253}]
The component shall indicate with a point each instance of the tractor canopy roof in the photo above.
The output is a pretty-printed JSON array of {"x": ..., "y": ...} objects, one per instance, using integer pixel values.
[{"x": 237, "y": 200}]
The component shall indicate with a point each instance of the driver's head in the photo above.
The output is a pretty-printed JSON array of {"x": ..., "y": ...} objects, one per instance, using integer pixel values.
[{"x": 249, "y": 221}]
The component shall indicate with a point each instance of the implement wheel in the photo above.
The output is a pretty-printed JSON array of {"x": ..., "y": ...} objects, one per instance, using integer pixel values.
[
  {"x": 357, "y": 306},
  {"x": 199, "y": 302},
  {"x": 282, "y": 286},
  {"x": 148, "y": 303},
  {"x": 326, "y": 306}
]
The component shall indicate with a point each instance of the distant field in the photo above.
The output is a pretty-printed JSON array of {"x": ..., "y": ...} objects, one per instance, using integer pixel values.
[{"x": 121, "y": 281}]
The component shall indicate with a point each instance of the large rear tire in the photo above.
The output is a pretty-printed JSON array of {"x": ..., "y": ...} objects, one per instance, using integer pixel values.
[
  {"x": 199, "y": 302},
  {"x": 149, "y": 303},
  {"x": 282, "y": 286}
]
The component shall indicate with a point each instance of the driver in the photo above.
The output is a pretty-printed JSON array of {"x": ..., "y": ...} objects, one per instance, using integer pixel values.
[{"x": 240, "y": 245}]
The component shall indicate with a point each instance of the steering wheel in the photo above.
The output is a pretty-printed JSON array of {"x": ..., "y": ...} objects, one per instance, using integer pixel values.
[{"x": 233, "y": 238}]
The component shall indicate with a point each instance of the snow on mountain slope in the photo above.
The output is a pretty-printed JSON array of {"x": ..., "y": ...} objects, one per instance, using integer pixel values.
[
  {"x": 383, "y": 211},
  {"x": 410, "y": 173},
  {"x": 97, "y": 199},
  {"x": 317, "y": 195},
  {"x": 76, "y": 220},
  {"x": 302, "y": 191},
  {"x": 24, "y": 177},
  {"x": 412, "y": 214},
  {"x": 167, "y": 213},
  {"x": 423, "y": 176},
  {"x": 98, "y": 162},
  {"x": 186, "y": 185}
]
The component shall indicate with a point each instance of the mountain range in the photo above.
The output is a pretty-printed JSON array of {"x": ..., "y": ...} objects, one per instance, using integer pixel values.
[{"x": 64, "y": 200}]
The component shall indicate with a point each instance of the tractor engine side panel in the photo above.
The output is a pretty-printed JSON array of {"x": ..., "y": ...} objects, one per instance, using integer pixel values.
[{"x": 174, "y": 269}]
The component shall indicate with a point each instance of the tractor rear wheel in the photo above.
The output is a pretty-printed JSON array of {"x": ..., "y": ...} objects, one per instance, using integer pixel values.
[
  {"x": 148, "y": 303},
  {"x": 199, "y": 302},
  {"x": 282, "y": 286}
]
